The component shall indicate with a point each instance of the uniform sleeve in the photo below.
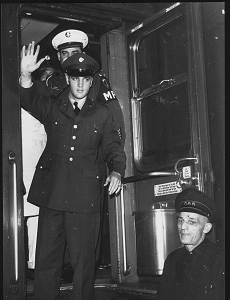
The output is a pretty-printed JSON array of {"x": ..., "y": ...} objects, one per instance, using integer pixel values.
[
  {"x": 102, "y": 93},
  {"x": 113, "y": 152},
  {"x": 35, "y": 101}
]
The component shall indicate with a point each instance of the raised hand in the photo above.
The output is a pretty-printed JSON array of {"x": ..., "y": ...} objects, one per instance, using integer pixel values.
[
  {"x": 29, "y": 59},
  {"x": 29, "y": 64}
]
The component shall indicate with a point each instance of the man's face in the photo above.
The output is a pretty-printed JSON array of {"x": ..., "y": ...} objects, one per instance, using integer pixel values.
[
  {"x": 79, "y": 86},
  {"x": 63, "y": 54},
  {"x": 46, "y": 73},
  {"x": 192, "y": 228}
]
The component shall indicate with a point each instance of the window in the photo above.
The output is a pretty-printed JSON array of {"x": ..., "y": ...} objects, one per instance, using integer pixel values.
[{"x": 161, "y": 118}]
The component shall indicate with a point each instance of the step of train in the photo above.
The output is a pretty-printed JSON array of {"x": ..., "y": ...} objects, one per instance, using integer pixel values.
[{"x": 110, "y": 291}]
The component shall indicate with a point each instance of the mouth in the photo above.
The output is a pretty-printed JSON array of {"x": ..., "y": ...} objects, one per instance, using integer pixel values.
[{"x": 184, "y": 234}]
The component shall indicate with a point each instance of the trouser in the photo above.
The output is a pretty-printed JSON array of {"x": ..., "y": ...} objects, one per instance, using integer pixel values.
[{"x": 80, "y": 231}]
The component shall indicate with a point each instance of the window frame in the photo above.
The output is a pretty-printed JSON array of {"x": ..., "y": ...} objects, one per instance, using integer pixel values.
[{"x": 150, "y": 25}]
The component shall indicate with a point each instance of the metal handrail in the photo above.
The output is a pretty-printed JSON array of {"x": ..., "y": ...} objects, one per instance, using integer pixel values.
[
  {"x": 12, "y": 161},
  {"x": 126, "y": 267},
  {"x": 183, "y": 159},
  {"x": 146, "y": 176},
  {"x": 118, "y": 238}
]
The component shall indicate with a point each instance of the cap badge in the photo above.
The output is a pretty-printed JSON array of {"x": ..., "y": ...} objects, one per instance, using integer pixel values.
[
  {"x": 68, "y": 34},
  {"x": 81, "y": 59},
  {"x": 191, "y": 203}
]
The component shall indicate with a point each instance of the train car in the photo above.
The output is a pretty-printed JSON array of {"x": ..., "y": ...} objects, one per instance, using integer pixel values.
[{"x": 165, "y": 63}]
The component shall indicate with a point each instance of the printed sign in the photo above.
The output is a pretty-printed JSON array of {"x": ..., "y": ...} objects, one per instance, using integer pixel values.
[
  {"x": 186, "y": 171},
  {"x": 167, "y": 188}
]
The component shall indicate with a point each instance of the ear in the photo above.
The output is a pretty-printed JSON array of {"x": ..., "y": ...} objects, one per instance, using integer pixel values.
[
  {"x": 207, "y": 227},
  {"x": 91, "y": 82},
  {"x": 67, "y": 78},
  {"x": 58, "y": 55}
]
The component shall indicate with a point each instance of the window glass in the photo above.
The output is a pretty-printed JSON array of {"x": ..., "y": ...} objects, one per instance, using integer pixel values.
[
  {"x": 165, "y": 125},
  {"x": 162, "y": 54},
  {"x": 162, "y": 113}
]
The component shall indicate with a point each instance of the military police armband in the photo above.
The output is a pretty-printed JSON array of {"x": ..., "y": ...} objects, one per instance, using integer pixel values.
[{"x": 106, "y": 94}]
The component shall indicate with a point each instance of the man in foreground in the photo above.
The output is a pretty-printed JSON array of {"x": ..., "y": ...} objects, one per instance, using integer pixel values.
[
  {"x": 195, "y": 271},
  {"x": 68, "y": 43}
]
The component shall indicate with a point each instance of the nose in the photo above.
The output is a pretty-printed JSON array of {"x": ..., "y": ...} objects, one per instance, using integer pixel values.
[
  {"x": 184, "y": 225},
  {"x": 80, "y": 81}
]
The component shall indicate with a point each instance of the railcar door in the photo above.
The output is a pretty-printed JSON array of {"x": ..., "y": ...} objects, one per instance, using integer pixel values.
[
  {"x": 171, "y": 148},
  {"x": 169, "y": 105}
]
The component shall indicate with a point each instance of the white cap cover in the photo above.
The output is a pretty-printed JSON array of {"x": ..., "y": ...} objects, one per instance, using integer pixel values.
[{"x": 70, "y": 38}]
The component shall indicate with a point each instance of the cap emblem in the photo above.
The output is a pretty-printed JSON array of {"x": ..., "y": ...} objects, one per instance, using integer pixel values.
[
  {"x": 68, "y": 34},
  {"x": 81, "y": 59},
  {"x": 189, "y": 203}
]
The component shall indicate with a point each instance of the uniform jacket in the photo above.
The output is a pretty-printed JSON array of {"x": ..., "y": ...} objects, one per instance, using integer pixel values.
[
  {"x": 100, "y": 92},
  {"x": 67, "y": 176},
  {"x": 196, "y": 275}
]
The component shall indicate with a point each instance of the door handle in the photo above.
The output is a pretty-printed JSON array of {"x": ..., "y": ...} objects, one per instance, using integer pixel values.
[
  {"x": 12, "y": 161},
  {"x": 182, "y": 180}
]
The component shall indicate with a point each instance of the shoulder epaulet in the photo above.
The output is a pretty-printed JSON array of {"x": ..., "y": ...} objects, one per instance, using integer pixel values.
[{"x": 100, "y": 73}]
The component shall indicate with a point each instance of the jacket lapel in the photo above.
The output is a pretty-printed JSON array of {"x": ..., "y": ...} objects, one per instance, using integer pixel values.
[
  {"x": 87, "y": 109},
  {"x": 65, "y": 105}
]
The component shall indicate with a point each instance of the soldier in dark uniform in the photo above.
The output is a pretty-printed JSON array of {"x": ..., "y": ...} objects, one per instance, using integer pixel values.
[
  {"x": 73, "y": 41},
  {"x": 66, "y": 184},
  {"x": 67, "y": 43},
  {"x": 195, "y": 271}
]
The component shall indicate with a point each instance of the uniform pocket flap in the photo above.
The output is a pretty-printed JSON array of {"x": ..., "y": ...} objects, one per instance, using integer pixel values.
[{"x": 94, "y": 127}]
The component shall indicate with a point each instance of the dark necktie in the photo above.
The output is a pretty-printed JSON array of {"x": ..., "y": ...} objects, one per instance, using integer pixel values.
[{"x": 76, "y": 108}]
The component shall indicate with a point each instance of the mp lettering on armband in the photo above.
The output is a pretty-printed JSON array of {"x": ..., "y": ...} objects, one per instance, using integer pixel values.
[{"x": 109, "y": 95}]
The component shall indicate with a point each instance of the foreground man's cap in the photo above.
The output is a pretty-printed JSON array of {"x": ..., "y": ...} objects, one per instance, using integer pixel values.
[
  {"x": 80, "y": 64},
  {"x": 192, "y": 200}
]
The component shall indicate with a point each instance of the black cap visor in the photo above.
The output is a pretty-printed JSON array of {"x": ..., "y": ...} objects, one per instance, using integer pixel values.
[
  {"x": 70, "y": 45},
  {"x": 197, "y": 211},
  {"x": 80, "y": 72}
]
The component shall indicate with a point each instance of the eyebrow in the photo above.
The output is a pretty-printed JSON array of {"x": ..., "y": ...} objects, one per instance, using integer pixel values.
[{"x": 194, "y": 219}]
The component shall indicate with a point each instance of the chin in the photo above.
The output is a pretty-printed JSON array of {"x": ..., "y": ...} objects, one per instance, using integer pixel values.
[{"x": 185, "y": 240}]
